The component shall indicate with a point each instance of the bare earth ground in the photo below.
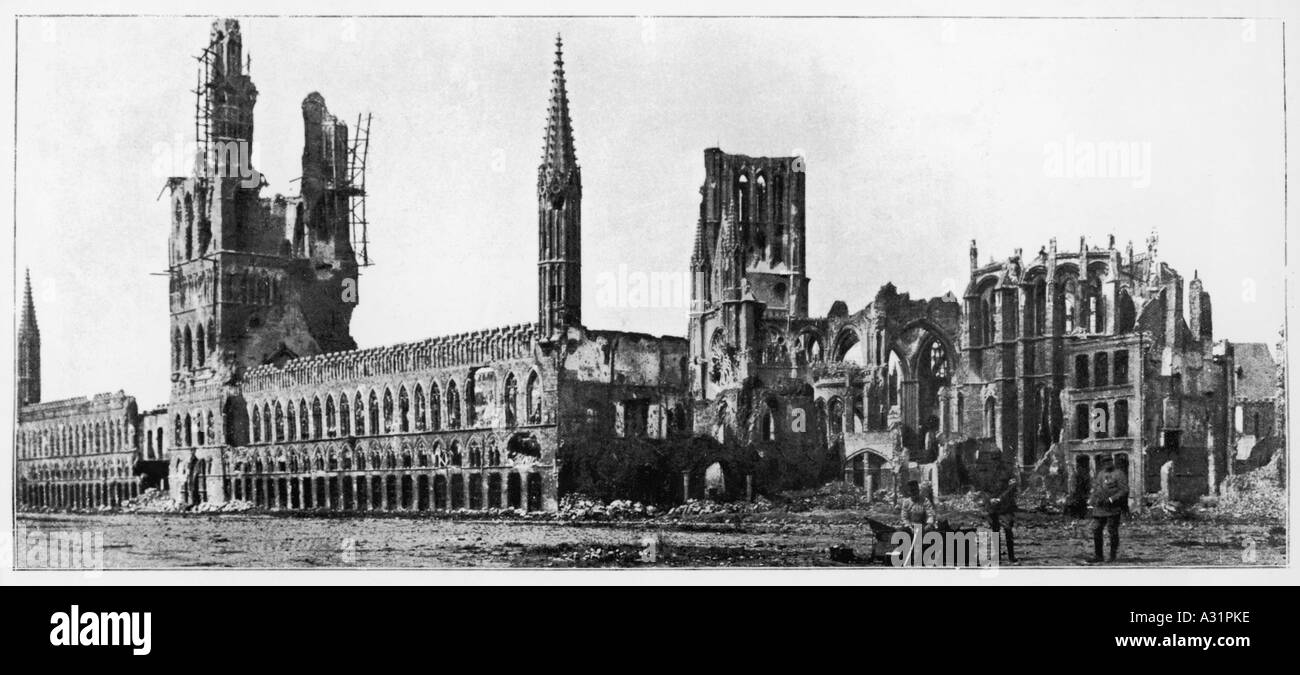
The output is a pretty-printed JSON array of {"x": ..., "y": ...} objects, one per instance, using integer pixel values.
[{"x": 149, "y": 541}]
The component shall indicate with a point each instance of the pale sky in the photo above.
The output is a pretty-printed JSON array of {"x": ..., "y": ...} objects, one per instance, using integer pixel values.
[{"x": 919, "y": 135}]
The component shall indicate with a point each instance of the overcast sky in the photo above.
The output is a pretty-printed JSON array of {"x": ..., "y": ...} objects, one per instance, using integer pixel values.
[{"x": 919, "y": 135}]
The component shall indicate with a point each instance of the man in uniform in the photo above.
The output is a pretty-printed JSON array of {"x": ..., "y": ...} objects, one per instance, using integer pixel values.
[
  {"x": 1108, "y": 500},
  {"x": 1000, "y": 505}
]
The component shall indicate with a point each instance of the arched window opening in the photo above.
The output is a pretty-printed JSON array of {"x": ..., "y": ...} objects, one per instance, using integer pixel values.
[
  {"x": 372, "y": 407},
  {"x": 1038, "y": 308},
  {"x": 533, "y": 398},
  {"x": 938, "y": 360},
  {"x": 1125, "y": 314},
  {"x": 388, "y": 411},
  {"x": 189, "y": 348},
  {"x": 991, "y": 417},
  {"x": 894, "y": 381},
  {"x": 767, "y": 424},
  {"x": 835, "y": 416},
  {"x": 484, "y": 395},
  {"x": 304, "y": 422},
  {"x": 200, "y": 347},
  {"x": 510, "y": 396},
  {"x": 279, "y": 421},
  {"x": 331, "y": 417},
  {"x": 435, "y": 407},
  {"x": 421, "y": 421},
  {"x": 267, "y": 431},
  {"x": 453, "y": 405},
  {"x": 317, "y": 426},
  {"x": 1121, "y": 367},
  {"x": 1068, "y": 309},
  {"x": 255, "y": 425},
  {"x": 345, "y": 416},
  {"x": 1081, "y": 421},
  {"x": 741, "y": 198},
  {"x": 403, "y": 410},
  {"x": 292, "y": 421},
  {"x": 359, "y": 416}
]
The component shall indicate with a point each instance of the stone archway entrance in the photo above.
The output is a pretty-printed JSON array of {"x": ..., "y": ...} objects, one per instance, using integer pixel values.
[{"x": 868, "y": 468}]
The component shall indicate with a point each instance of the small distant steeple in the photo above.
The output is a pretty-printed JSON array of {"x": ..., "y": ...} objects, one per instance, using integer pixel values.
[{"x": 29, "y": 350}]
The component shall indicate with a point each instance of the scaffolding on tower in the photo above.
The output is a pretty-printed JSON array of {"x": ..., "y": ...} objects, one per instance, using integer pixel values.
[
  {"x": 355, "y": 189},
  {"x": 203, "y": 109}
]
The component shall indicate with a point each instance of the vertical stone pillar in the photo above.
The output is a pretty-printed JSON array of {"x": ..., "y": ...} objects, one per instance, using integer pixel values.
[
  {"x": 749, "y": 487},
  {"x": 686, "y": 486}
]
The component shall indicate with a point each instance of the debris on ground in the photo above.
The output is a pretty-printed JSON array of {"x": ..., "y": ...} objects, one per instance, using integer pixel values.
[
  {"x": 707, "y": 507},
  {"x": 595, "y": 556},
  {"x": 580, "y": 507},
  {"x": 836, "y": 496},
  {"x": 231, "y": 506},
  {"x": 1253, "y": 495},
  {"x": 152, "y": 500}
]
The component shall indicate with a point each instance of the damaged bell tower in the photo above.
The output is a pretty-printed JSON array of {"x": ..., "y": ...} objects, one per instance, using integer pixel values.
[{"x": 256, "y": 279}]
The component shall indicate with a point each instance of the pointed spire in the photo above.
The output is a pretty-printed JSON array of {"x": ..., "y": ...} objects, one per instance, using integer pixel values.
[
  {"x": 29, "y": 308},
  {"x": 700, "y": 256},
  {"x": 558, "y": 154},
  {"x": 29, "y": 350}
]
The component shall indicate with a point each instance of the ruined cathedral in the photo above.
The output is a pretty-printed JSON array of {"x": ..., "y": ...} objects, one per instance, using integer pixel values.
[{"x": 1051, "y": 361}]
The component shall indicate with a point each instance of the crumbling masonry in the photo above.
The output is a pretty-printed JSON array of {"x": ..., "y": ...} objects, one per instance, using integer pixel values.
[{"x": 1052, "y": 361}]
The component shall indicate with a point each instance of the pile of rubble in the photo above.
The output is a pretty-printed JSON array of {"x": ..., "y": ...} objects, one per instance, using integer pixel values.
[
  {"x": 232, "y": 506},
  {"x": 837, "y": 496},
  {"x": 152, "y": 500},
  {"x": 581, "y": 507},
  {"x": 1254, "y": 495},
  {"x": 705, "y": 507},
  {"x": 1160, "y": 507}
]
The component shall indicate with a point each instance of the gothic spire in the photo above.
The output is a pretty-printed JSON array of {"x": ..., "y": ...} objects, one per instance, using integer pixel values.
[
  {"x": 558, "y": 154},
  {"x": 700, "y": 256},
  {"x": 29, "y": 350},
  {"x": 28, "y": 323}
]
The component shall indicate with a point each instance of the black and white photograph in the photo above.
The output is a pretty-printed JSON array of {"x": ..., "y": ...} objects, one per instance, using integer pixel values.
[{"x": 863, "y": 291}]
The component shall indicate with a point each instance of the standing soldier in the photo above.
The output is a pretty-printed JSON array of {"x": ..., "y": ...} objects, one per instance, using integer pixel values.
[
  {"x": 1108, "y": 500},
  {"x": 1000, "y": 506}
]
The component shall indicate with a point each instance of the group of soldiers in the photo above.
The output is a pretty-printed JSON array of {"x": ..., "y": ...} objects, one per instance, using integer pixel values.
[{"x": 996, "y": 494}]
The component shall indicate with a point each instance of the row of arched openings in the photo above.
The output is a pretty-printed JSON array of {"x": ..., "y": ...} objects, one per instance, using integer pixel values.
[{"x": 413, "y": 410}]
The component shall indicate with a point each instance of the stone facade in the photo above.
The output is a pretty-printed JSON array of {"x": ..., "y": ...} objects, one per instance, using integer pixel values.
[
  {"x": 273, "y": 403},
  {"x": 1051, "y": 362}
]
